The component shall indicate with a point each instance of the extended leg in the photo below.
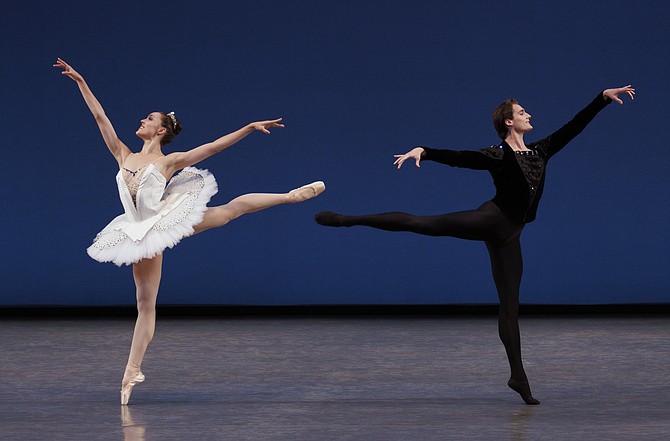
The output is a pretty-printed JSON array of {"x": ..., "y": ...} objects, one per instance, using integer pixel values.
[
  {"x": 485, "y": 223},
  {"x": 147, "y": 275},
  {"x": 507, "y": 265},
  {"x": 250, "y": 203}
]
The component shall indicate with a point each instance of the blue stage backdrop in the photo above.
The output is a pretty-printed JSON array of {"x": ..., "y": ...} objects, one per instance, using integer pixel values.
[{"x": 356, "y": 82}]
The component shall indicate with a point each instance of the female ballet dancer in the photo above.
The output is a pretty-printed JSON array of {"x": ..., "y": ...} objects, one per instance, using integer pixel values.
[
  {"x": 161, "y": 209},
  {"x": 518, "y": 172}
]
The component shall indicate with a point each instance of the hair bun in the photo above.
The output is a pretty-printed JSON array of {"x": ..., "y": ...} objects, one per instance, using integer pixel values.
[
  {"x": 176, "y": 125},
  {"x": 173, "y": 126}
]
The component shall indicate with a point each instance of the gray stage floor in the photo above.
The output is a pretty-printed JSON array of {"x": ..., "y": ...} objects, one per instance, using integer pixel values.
[{"x": 336, "y": 378}]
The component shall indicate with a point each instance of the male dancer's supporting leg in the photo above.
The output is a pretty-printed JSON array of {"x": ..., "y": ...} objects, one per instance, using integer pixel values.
[{"x": 507, "y": 266}]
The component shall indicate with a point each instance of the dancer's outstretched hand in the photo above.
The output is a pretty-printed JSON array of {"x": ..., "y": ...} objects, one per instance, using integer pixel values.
[
  {"x": 613, "y": 94},
  {"x": 265, "y": 126},
  {"x": 415, "y": 154},
  {"x": 68, "y": 70}
]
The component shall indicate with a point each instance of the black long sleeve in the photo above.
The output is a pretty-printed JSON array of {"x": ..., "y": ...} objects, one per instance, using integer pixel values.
[
  {"x": 485, "y": 159},
  {"x": 557, "y": 140}
]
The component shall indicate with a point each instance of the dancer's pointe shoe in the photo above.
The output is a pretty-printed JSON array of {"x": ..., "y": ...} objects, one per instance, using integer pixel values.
[
  {"x": 329, "y": 219},
  {"x": 306, "y": 192},
  {"x": 128, "y": 388}
]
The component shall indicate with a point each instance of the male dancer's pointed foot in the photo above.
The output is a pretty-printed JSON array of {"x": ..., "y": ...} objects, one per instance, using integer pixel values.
[
  {"x": 127, "y": 388},
  {"x": 305, "y": 192},
  {"x": 329, "y": 219},
  {"x": 523, "y": 389}
]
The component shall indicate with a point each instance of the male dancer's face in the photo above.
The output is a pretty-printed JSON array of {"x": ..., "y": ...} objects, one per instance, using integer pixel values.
[{"x": 520, "y": 121}]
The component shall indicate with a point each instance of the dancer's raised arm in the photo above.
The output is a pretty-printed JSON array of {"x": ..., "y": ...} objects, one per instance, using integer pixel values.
[
  {"x": 557, "y": 140},
  {"x": 116, "y": 147},
  {"x": 178, "y": 160}
]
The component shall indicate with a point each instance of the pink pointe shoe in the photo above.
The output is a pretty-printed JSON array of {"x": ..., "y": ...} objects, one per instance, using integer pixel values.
[
  {"x": 128, "y": 388},
  {"x": 306, "y": 191}
]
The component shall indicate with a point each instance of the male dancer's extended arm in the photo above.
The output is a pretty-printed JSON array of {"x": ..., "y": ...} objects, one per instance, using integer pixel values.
[{"x": 560, "y": 138}]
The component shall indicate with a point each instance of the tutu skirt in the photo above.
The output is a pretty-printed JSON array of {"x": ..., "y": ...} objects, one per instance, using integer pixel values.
[{"x": 181, "y": 207}]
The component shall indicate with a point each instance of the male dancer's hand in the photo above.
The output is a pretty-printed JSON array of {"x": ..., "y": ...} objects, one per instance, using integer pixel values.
[
  {"x": 613, "y": 94},
  {"x": 415, "y": 154}
]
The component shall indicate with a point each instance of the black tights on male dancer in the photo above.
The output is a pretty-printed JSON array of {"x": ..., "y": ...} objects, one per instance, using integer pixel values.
[{"x": 501, "y": 236}]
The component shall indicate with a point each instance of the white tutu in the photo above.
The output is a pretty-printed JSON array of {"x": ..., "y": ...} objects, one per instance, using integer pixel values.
[{"x": 160, "y": 218}]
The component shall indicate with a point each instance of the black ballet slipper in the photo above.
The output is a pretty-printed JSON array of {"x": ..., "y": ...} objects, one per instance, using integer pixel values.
[
  {"x": 329, "y": 219},
  {"x": 523, "y": 389}
]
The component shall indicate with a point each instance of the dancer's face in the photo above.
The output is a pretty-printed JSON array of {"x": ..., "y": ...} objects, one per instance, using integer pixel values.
[
  {"x": 150, "y": 126},
  {"x": 520, "y": 121}
]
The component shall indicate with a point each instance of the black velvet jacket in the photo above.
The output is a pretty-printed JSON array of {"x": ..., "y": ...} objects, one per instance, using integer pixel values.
[{"x": 519, "y": 176}]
